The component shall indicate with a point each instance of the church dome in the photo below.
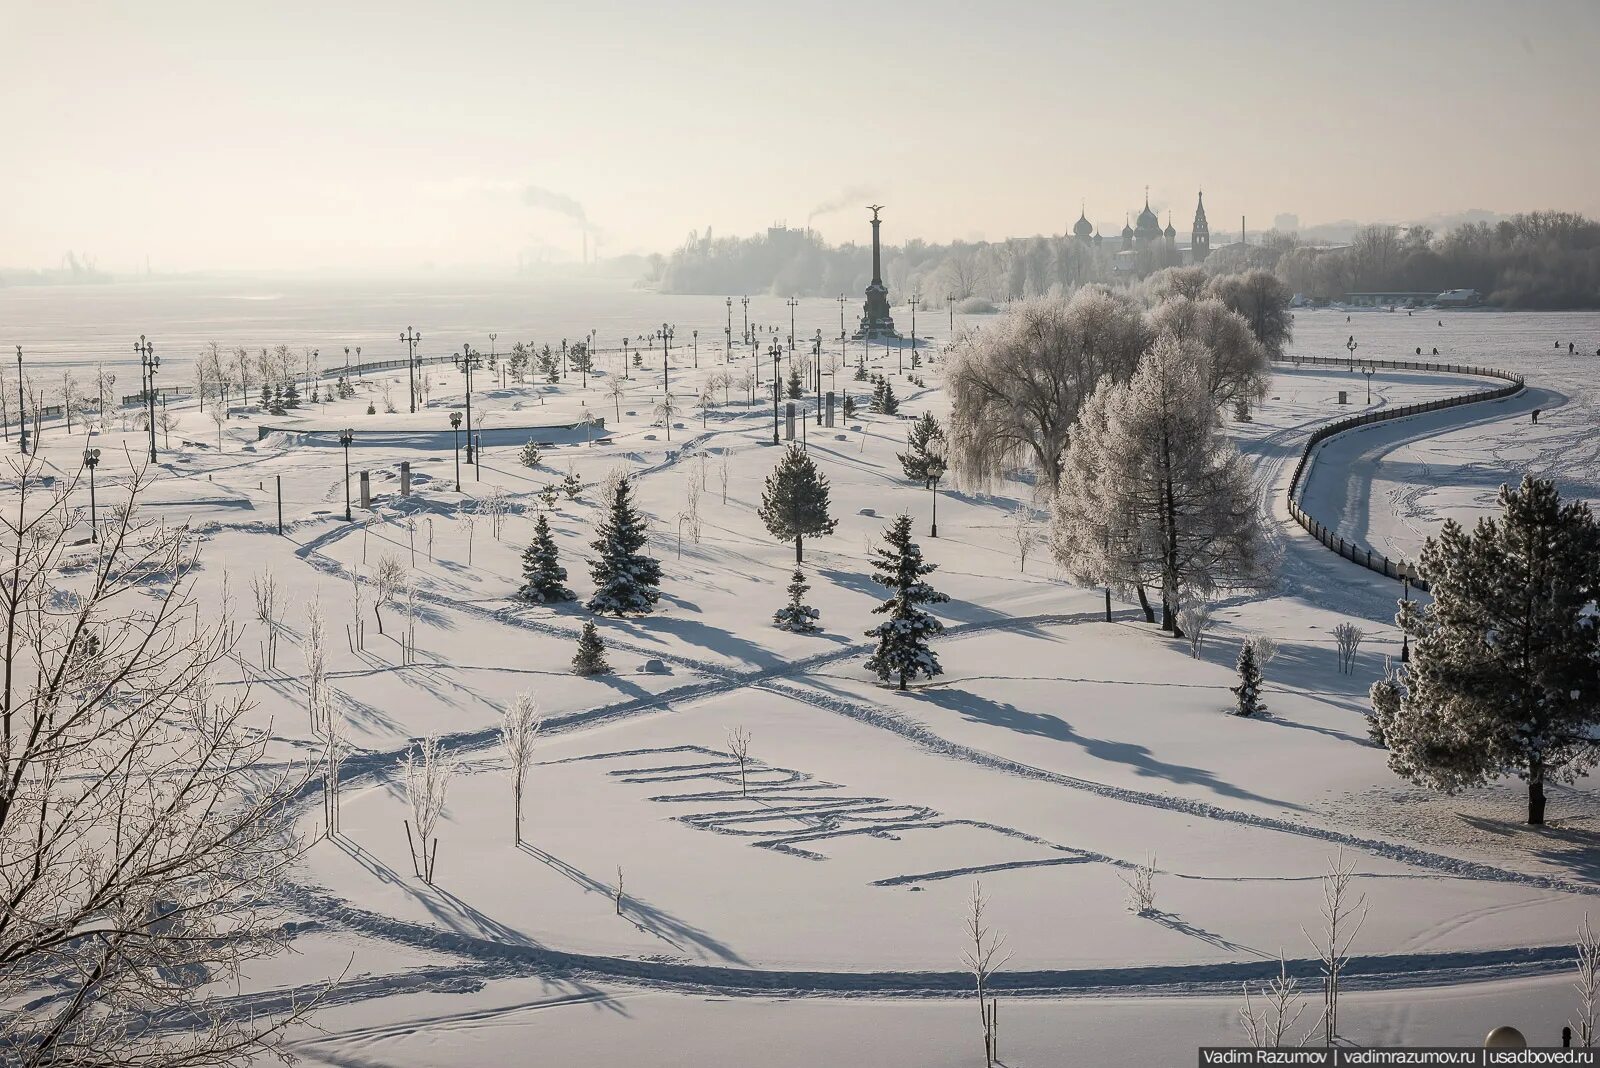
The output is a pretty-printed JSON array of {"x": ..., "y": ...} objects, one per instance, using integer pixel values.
[
  {"x": 1127, "y": 231},
  {"x": 1170, "y": 232},
  {"x": 1083, "y": 228},
  {"x": 1097, "y": 237}
]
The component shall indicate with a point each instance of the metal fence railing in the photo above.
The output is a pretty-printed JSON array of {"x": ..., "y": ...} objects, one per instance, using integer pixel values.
[{"x": 1348, "y": 548}]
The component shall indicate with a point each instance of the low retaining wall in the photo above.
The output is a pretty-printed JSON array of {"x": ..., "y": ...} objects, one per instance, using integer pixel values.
[
  {"x": 427, "y": 438},
  {"x": 1352, "y": 550}
]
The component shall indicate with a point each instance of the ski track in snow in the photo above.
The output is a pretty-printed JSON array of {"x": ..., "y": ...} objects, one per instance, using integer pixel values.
[{"x": 482, "y": 959}]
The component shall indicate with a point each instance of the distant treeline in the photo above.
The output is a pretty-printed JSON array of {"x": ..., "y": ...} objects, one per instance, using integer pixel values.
[{"x": 1538, "y": 260}]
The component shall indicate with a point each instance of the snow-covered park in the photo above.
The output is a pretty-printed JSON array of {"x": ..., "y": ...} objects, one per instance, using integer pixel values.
[{"x": 738, "y": 845}]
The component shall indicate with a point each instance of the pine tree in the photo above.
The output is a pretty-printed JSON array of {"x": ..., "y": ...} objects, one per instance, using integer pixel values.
[
  {"x": 797, "y": 616},
  {"x": 625, "y": 581},
  {"x": 1247, "y": 695},
  {"x": 903, "y": 650},
  {"x": 884, "y": 402},
  {"x": 1504, "y": 678},
  {"x": 541, "y": 568},
  {"x": 591, "y": 655},
  {"x": 924, "y": 458},
  {"x": 795, "y": 500},
  {"x": 849, "y": 406},
  {"x": 795, "y": 390},
  {"x": 861, "y": 372},
  {"x": 529, "y": 455},
  {"x": 572, "y": 486},
  {"x": 291, "y": 395}
]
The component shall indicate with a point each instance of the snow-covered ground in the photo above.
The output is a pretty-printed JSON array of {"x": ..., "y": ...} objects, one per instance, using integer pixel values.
[{"x": 817, "y": 916}]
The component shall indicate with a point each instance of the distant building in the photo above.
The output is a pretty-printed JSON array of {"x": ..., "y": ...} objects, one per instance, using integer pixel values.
[
  {"x": 1388, "y": 299},
  {"x": 1459, "y": 298}
]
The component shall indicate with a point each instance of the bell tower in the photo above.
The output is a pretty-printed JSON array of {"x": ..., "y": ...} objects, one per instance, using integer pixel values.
[{"x": 1200, "y": 238}]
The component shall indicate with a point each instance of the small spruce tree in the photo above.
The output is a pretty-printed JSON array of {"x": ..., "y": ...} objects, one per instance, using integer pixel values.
[
  {"x": 572, "y": 485},
  {"x": 923, "y": 461},
  {"x": 903, "y": 652},
  {"x": 795, "y": 390},
  {"x": 545, "y": 578},
  {"x": 291, "y": 395},
  {"x": 1247, "y": 695},
  {"x": 625, "y": 580},
  {"x": 797, "y": 616},
  {"x": 530, "y": 454},
  {"x": 849, "y": 406},
  {"x": 888, "y": 403},
  {"x": 795, "y": 500},
  {"x": 591, "y": 656}
]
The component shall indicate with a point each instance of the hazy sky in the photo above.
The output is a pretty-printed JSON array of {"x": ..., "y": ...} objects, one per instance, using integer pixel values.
[{"x": 397, "y": 133}]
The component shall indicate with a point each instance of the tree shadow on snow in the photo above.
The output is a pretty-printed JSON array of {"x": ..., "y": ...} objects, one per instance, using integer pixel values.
[{"x": 1043, "y": 725}]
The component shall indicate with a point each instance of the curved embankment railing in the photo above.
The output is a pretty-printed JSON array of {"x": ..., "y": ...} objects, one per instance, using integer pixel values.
[{"x": 1348, "y": 548}]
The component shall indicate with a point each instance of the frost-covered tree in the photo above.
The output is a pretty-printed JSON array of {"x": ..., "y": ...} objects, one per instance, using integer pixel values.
[
  {"x": 903, "y": 652},
  {"x": 140, "y": 820},
  {"x": 544, "y": 579},
  {"x": 530, "y": 454},
  {"x": 625, "y": 580},
  {"x": 520, "y": 724},
  {"x": 1017, "y": 385},
  {"x": 1247, "y": 695},
  {"x": 1263, "y": 301},
  {"x": 1234, "y": 368},
  {"x": 426, "y": 772},
  {"x": 591, "y": 656},
  {"x": 794, "y": 502},
  {"x": 797, "y": 615},
  {"x": 1153, "y": 493},
  {"x": 1504, "y": 677},
  {"x": 387, "y": 579}
]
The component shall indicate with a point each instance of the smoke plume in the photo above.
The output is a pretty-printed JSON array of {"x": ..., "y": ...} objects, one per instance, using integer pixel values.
[
  {"x": 535, "y": 197},
  {"x": 851, "y": 195}
]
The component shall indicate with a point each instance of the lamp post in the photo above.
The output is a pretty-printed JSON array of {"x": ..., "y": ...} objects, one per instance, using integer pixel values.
[
  {"x": 1352, "y": 345},
  {"x": 793, "y": 304},
  {"x": 697, "y": 349},
  {"x": 727, "y": 348},
  {"x": 149, "y": 364},
  {"x": 1405, "y": 636},
  {"x": 1368, "y": 371},
  {"x": 563, "y": 375},
  {"x": 746, "y": 302},
  {"x": 816, "y": 372},
  {"x": 492, "y": 337},
  {"x": 410, "y": 337},
  {"x": 464, "y": 360},
  {"x": 346, "y": 437},
  {"x": 666, "y": 339},
  {"x": 951, "y": 302},
  {"x": 91, "y": 458},
  {"x": 22, "y": 415},
  {"x": 841, "y": 314},
  {"x": 455, "y": 431},
  {"x": 776, "y": 352}
]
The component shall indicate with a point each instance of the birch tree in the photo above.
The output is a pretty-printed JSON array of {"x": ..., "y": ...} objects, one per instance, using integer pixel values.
[
  {"x": 139, "y": 819},
  {"x": 520, "y": 724}
]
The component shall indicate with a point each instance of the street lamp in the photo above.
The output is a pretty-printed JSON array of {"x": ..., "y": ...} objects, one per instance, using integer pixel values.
[
  {"x": 410, "y": 337},
  {"x": 951, "y": 302},
  {"x": 1352, "y": 345},
  {"x": 793, "y": 304},
  {"x": 841, "y": 314},
  {"x": 727, "y": 349},
  {"x": 1368, "y": 371},
  {"x": 464, "y": 360},
  {"x": 1405, "y": 636},
  {"x": 666, "y": 339},
  {"x": 746, "y": 302},
  {"x": 816, "y": 372},
  {"x": 149, "y": 364},
  {"x": 346, "y": 437},
  {"x": 22, "y": 420},
  {"x": 697, "y": 349},
  {"x": 91, "y": 458},
  {"x": 455, "y": 430},
  {"x": 776, "y": 352}
]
